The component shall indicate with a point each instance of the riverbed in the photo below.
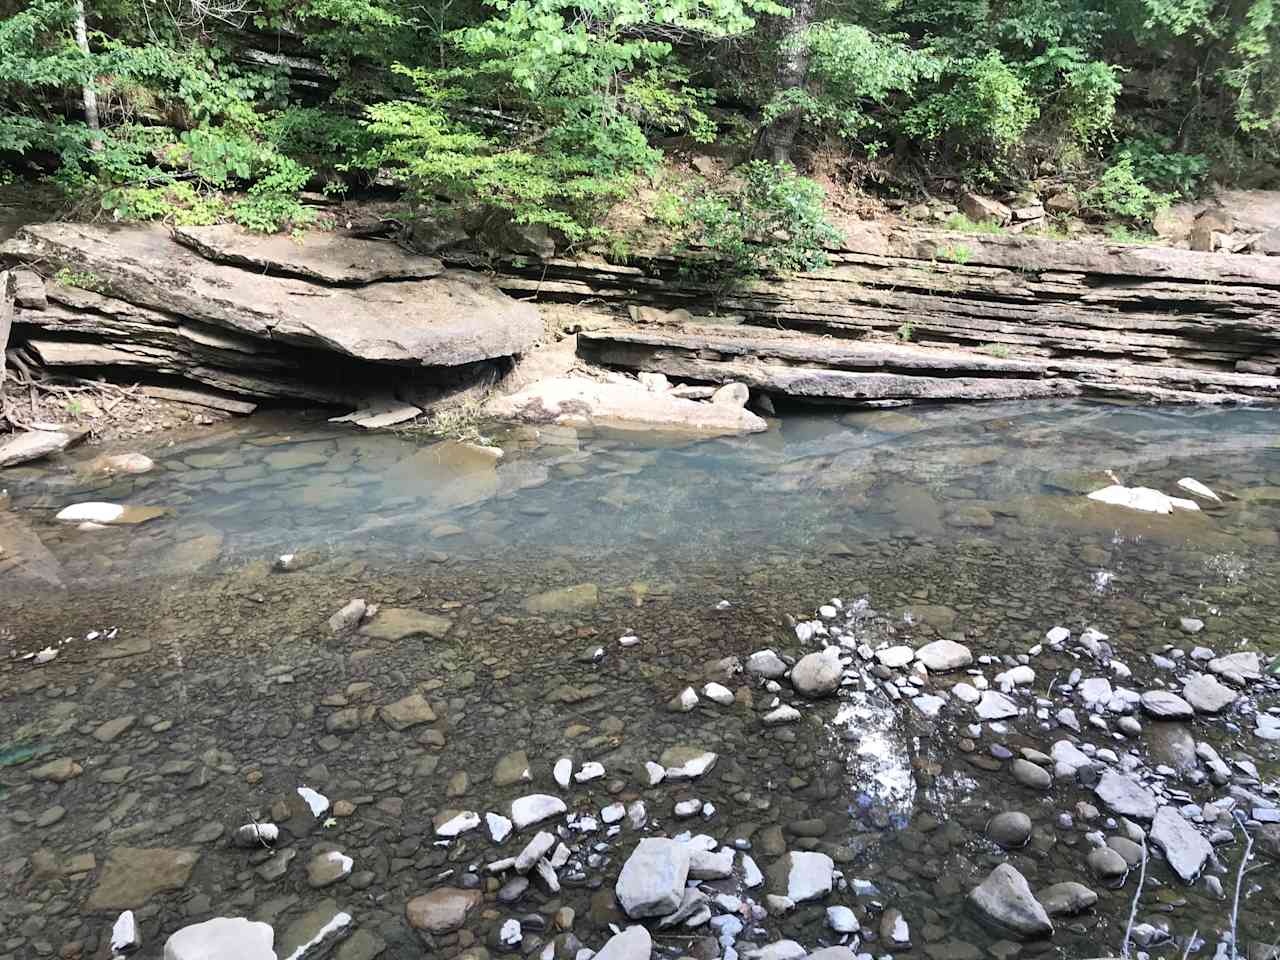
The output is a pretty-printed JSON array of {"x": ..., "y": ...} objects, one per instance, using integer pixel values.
[{"x": 548, "y": 594}]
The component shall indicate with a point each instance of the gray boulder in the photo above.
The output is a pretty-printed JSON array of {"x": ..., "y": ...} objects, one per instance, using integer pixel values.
[
  {"x": 1207, "y": 695},
  {"x": 1066, "y": 898},
  {"x": 1126, "y": 796},
  {"x": 818, "y": 674},
  {"x": 1005, "y": 901},
  {"x": 1166, "y": 705}
]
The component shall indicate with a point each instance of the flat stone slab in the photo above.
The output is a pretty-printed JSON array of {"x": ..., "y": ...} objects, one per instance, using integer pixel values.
[
  {"x": 133, "y": 875},
  {"x": 1180, "y": 842},
  {"x": 1126, "y": 796},
  {"x": 453, "y": 318},
  {"x": 652, "y": 880},
  {"x": 318, "y": 256},
  {"x": 1005, "y": 900},
  {"x": 621, "y": 403},
  {"x": 442, "y": 910},
  {"x": 32, "y": 445},
  {"x": 222, "y": 937}
]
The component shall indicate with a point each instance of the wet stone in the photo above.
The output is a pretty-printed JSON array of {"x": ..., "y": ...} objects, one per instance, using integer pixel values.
[{"x": 443, "y": 910}]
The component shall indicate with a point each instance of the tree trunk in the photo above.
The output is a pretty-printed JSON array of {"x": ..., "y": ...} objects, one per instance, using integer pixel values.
[
  {"x": 7, "y": 290},
  {"x": 793, "y": 69},
  {"x": 90, "y": 95}
]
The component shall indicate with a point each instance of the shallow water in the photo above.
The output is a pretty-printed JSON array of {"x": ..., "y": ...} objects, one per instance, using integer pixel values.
[{"x": 964, "y": 522}]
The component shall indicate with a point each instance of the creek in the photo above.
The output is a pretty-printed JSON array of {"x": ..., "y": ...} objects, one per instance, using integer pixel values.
[{"x": 198, "y": 683}]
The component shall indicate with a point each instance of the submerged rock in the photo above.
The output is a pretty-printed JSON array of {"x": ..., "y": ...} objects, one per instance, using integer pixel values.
[
  {"x": 1004, "y": 900},
  {"x": 686, "y": 762},
  {"x": 1067, "y": 898},
  {"x": 32, "y": 445},
  {"x": 443, "y": 910}
]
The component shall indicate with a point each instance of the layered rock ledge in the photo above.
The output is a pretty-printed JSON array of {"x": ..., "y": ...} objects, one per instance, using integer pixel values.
[
  {"x": 949, "y": 316},
  {"x": 325, "y": 318}
]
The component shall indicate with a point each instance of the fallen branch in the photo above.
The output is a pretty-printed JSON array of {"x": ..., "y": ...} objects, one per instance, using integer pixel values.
[
  {"x": 1133, "y": 912},
  {"x": 1235, "y": 905}
]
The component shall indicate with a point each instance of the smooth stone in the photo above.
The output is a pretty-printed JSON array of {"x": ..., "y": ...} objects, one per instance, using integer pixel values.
[
  {"x": 1166, "y": 705},
  {"x": 633, "y": 943},
  {"x": 443, "y": 910},
  {"x": 802, "y": 876},
  {"x": 995, "y": 706},
  {"x": 1030, "y": 775},
  {"x": 818, "y": 674},
  {"x": 1010, "y": 829},
  {"x": 134, "y": 875},
  {"x": 535, "y": 808},
  {"x": 1067, "y": 898},
  {"x": 1125, "y": 795},
  {"x": 1207, "y": 695},
  {"x": 941, "y": 656},
  {"x": 1106, "y": 863}
]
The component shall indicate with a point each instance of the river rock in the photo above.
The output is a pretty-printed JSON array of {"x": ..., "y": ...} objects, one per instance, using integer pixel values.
[
  {"x": 802, "y": 876},
  {"x": 535, "y": 808},
  {"x": 767, "y": 664},
  {"x": 407, "y": 712},
  {"x": 133, "y": 875},
  {"x": 652, "y": 880},
  {"x": 942, "y": 656},
  {"x": 1166, "y": 705},
  {"x": 1106, "y": 863},
  {"x": 443, "y": 910},
  {"x": 325, "y": 869},
  {"x": 1180, "y": 842},
  {"x": 818, "y": 674},
  {"x": 1004, "y": 900},
  {"x": 1239, "y": 668},
  {"x": 1125, "y": 795},
  {"x": 315, "y": 933},
  {"x": 1067, "y": 898},
  {"x": 1207, "y": 695},
  {"x": 1030, "y": 775},
  {"x": 222, "y": 937},
  {"x": 895, "y": 657},
  {"x": 1010, "y": 829},
  {"x": 125, "y": 936},
  {"x": 57, "y": 771},
  {"x": 633, "y": 943},
  {"x": 513, "y": 768},
  {"x": 995, "y": 706},
  {"x": 582, "y": 596}
]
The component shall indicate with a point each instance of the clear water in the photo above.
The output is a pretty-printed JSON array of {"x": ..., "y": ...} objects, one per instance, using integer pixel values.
[{"x": 964, "y": 522}]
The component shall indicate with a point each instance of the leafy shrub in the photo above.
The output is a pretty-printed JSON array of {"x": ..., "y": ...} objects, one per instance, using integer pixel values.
[
  {"x": 773, "y": 222},
  {"x": 1157, "y": 163},
  {"x": 959, "y": 223},
  {"x": 1120, "y": 193},
  {"x": 984, "y": 107}
]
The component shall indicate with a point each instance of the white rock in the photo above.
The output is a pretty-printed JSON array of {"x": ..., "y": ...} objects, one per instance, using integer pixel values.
[
  {"x": 535, "y": 808},
  {"x": 693, "y": 763},
  {"x": 1141, "y": 498},
  {"x": 966, "y": 693},
  {"x": 124, "y": 934},
  {"x": 464, "y": 821},
  {"x": 630, "y": 640},
  {"x": 222, "y": 937},
  {"x": 804, "y": 875},
  {"x": 633, "y": 943},
  {"x": 591, "y": 770},
  {"x": 995, "y": 706},
  {"x": 613, "y": 813},
  {"x": 656, "y": 772},
  {"x": 510, "y": 935},
  {"x": 1180, "y": 842},
  {"x": 718, "y": 694},
  {"x": 842, "y": 920},
  {"x": 782, "y": 714},
  {"x": 499, "y": 826},
  {"x": 708, "y": 865},
  {"x": 1017, "y": 677},
  {"x": 318, "y": 802},
  {"x": 751, "y": 875},
  {"x": 685, "y": 700},
  {"x": 563, "y": 771},
  {"x": 92, "y": 512},
  {"x": 896, "y": 657},
  {"x": 929, "y": 704},
  {"x": 944, "y": 655},
  {"x": 534, "y": 850},
  {"x": 1057, "y": 635},
  {"x": 1195, "y": 487}
]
